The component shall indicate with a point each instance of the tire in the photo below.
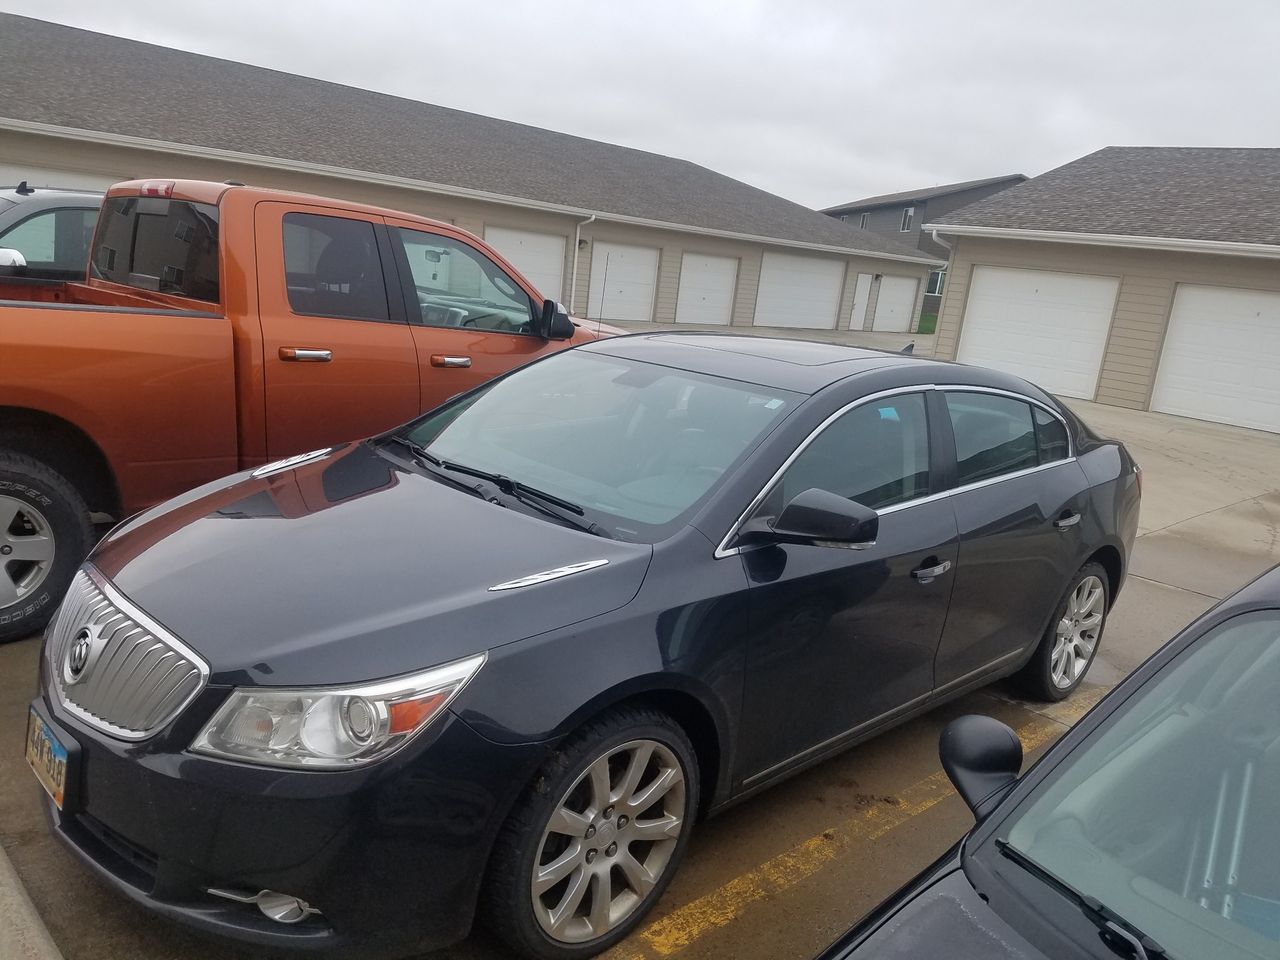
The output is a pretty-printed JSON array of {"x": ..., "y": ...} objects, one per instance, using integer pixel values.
[
  {"x": 44, "y": 535},
  {"x": 528, "y": 839},
  {"x": 1054, "y": 671}
]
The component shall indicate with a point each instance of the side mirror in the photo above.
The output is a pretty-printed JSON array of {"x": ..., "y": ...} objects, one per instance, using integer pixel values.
[
  {"x": 554, "y": 323},
  {"x": 817, "y": 517},
  {"x": 12, "y": 262},
  {"x": 983, "y": 757}
]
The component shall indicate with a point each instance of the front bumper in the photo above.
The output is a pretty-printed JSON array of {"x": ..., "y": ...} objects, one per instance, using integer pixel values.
[{"x": 392, "y": 856}]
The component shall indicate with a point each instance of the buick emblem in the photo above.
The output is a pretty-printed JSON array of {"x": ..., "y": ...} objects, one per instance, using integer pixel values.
[{"x": 78, "y": 657}]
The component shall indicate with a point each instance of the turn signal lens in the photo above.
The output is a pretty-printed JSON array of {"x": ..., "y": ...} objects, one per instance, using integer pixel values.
[{"x": 331, "y": 729}]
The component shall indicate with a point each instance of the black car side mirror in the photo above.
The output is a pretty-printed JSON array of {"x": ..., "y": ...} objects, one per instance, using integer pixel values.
[
  {"x": 983, "y": 757},
  {"x": 817, "y": 517},
  {"x": 554, "y": 323}
]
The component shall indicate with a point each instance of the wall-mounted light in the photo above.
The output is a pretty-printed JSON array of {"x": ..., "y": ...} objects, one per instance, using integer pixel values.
[{"x": 583, "y": 242}]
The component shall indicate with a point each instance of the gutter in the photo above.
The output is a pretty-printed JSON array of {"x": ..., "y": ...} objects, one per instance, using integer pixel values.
[
  {"x": 1225, "y": 248},
  {"x": 424, "y": 186}
]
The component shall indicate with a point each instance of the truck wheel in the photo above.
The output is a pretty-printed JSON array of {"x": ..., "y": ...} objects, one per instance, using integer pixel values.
[{"x": 44, "y": 535}]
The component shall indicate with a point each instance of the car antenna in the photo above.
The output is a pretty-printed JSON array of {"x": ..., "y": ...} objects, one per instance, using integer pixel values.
[
  {"x": 909, "y": 348},
  {"x": 24, "y": 190}
]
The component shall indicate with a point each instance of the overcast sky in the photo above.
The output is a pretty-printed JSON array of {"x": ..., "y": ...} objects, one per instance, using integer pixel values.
[{"x": 821, "y": 102}]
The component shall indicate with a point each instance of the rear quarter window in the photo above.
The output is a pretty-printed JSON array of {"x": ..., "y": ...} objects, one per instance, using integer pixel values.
[{"x": 152, "y": 243}]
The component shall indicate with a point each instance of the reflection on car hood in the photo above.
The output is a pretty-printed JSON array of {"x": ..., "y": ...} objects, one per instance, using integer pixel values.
[
  {"x": 947, "y": 919},
  {"x": 351, "y": 568}
]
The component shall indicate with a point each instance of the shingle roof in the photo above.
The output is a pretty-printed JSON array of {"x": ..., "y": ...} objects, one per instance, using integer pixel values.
[
  {"x": 89, "y": 81},
  {"x": 1191, "y": 193},
  {"x": 924, "y": 193}
]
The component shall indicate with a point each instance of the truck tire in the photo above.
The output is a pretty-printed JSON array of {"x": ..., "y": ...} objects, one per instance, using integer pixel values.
[{"x": 44, "y": 535}]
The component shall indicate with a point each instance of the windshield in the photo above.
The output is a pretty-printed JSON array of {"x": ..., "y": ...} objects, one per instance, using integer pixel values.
[
  {"x": 1166, "y": 815},
  {"x": 634, "y": 444}
]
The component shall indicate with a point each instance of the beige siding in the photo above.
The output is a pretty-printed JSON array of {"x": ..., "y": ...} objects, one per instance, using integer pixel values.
[{"x": 1148, "y": 282}]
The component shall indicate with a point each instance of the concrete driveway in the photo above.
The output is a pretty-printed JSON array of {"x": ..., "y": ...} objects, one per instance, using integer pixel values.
[{"x": 781, "y": 875}]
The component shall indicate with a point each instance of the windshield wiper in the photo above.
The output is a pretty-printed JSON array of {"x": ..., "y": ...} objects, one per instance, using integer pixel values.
[
  {"x": 1118, "y": 932},
  {"x": 432, "y": 464}
]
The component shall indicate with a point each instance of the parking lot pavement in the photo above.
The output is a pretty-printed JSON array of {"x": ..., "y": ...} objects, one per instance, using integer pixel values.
[{"x": 780, "y": 875}]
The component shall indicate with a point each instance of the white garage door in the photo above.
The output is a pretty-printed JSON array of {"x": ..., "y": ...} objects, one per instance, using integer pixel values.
[
  {"x": 895, "y": 304},
  {"x": 622, "y": 282},
  {"x": 1221, "y": 358},
  {"x": 799, "y": 292},
  {"x": 1049, "y": 328},
  {"x": 539, "y": 256},
  {"x": 706, "y": 289},
  {"x": 12, "y": 174}
]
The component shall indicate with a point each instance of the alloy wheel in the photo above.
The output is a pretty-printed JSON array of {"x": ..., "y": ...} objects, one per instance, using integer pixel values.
[
  {"x": 1076, "y": 636},
  {"x": 26, "y": 549},
  {"x": 609, "y": 841}
]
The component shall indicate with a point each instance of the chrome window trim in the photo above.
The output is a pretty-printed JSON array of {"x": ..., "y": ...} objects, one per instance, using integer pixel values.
[
  {"x": 724, "y": 550},
  {"x": 138, "y": 616}
]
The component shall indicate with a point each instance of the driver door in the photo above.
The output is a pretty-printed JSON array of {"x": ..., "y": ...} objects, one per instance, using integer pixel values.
[{"x": 471, "y": 318}]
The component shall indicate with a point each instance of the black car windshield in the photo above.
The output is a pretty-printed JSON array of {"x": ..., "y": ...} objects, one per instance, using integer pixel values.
[
  {"x": 636, "y": 445},
  {"x": 1166, "y": 815}
]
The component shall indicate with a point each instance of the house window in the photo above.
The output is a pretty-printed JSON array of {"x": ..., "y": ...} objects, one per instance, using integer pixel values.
[
  {"x": 937, "y": 279},
  {"x": 862, "y": 221},
  {"x": 844, "y": 217},
  {"x": 908, "y": 215}
]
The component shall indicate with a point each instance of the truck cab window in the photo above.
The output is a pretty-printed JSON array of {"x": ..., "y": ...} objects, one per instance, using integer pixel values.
[
  {"x": 458, "y": 286},
  {"x": 332, "y": 268}
]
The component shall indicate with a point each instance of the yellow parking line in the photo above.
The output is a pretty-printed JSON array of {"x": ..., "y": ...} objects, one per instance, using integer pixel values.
[{"x": 695, "y": 919}]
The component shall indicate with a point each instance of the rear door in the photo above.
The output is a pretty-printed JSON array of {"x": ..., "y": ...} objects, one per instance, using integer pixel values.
[
  {"x": 842, "y": 637},
  {"x": 471, "y": 319},
  {"x": 339, "y": 358},
  {"x": 1021, "y": 506}
]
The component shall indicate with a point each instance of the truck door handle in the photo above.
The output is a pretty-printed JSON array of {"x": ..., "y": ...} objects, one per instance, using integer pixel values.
[
  {"x": 1068, "y": 520},
  {"x": 305, "y": 355},
  {"x": 929, "y": 574},
  {"x": 444, "y": 360}
]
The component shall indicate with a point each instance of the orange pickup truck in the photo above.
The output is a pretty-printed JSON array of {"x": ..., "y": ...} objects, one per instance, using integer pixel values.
[{"x": 221, "y": 327}]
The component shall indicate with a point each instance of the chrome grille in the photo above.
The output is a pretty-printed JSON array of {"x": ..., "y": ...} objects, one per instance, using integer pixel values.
[{"x": 129, "y": 676}]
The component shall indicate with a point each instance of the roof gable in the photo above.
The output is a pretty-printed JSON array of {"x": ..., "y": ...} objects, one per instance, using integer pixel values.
[{"x": 924, "y": 193}]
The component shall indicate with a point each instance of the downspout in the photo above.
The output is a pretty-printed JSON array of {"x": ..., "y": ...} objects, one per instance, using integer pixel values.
[{"x": 573, "y": 280}]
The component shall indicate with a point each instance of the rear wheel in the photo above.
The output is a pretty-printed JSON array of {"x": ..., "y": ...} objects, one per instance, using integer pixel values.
[
  {"x": 1071, "y": 641},
  {"x": 593, "y": 843},
  {"x": 44, "y": 535}
]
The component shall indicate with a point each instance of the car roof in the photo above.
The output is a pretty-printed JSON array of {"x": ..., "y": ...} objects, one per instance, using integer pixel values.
[
  {"x": 49, "y": 193},
  {"x": 800, "y": 366}
]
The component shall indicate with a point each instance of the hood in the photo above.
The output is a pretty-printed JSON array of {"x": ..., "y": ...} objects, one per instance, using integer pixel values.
[
  {"x": 946, "y": 919},
  {"x": 350, "y": 568}
]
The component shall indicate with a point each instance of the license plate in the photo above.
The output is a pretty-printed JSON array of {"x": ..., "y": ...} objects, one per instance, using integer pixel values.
[{"x": 48, "y": 758}]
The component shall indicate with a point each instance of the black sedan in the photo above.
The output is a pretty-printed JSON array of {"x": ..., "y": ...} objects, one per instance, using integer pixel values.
[
  {"x": 1148, "y": 832},
  {"x": 501, "y": 659}
]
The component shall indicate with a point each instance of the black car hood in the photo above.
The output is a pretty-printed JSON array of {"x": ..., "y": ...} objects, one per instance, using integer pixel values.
[
  {"x": 945, "y": 919},
  {"x": 352, "y": 568}
]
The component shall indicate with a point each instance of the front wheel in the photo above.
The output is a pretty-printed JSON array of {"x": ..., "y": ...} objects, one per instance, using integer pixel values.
[
  {"x": 1071, "y": 641},
  {"x": 44, "y": 534},
  {"x": 593, "y": 843}
]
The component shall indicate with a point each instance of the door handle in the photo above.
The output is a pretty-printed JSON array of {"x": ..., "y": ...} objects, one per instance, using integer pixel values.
[
  {"x": 929, "y": 574},
  {"x": 305, "y": 355},
  {"x": 444, "y": 360},
  {"x": 1070, "y": 520}
]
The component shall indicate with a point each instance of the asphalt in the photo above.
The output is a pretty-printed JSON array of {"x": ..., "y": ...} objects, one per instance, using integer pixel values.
[{"x": 782, "y": 874}]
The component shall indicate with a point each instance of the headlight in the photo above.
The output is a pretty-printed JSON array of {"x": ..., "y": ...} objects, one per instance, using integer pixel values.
[{"x": 335, "y": 728}]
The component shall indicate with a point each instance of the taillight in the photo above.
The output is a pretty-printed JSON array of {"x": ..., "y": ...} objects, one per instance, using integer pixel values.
[{"x": 157, "y": 188}]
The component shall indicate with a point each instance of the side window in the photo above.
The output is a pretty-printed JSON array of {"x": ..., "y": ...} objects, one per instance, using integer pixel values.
[
  {"x": 1051, "y": 436},
  {"x": 458, "y": 286},
  {"x": 994, "y": 435},
  {"x": 876, "y": 454},
  {"x": 54, "y": 238},
  {"x": 332, "y": 268}
]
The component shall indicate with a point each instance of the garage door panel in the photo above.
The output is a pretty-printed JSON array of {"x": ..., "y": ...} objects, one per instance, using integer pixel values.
[
  {"x": 1049, "y": 328},
  {"x": 623, "y": 282},
  {"x": 706, "y": 291},
  {"x": 799, "y": 292},
  {"x": 539, "y": 256},
  {"x": 1221, "y": 357},
  {"x": 895, "y": 304}
]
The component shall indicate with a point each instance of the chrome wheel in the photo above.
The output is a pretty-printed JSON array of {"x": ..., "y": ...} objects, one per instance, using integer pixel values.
[
  {"x": 1076, "y": 636},
  {"x": 609, "y": 841},
  {"x": 26, "y": 549}
]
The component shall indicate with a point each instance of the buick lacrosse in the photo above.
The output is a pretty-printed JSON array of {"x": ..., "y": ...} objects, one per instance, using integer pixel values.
[{"x": 497, "y": 662}]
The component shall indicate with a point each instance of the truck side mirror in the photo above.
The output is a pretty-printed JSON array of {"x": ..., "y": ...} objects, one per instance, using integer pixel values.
[{"x": 554, "y": 323}]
